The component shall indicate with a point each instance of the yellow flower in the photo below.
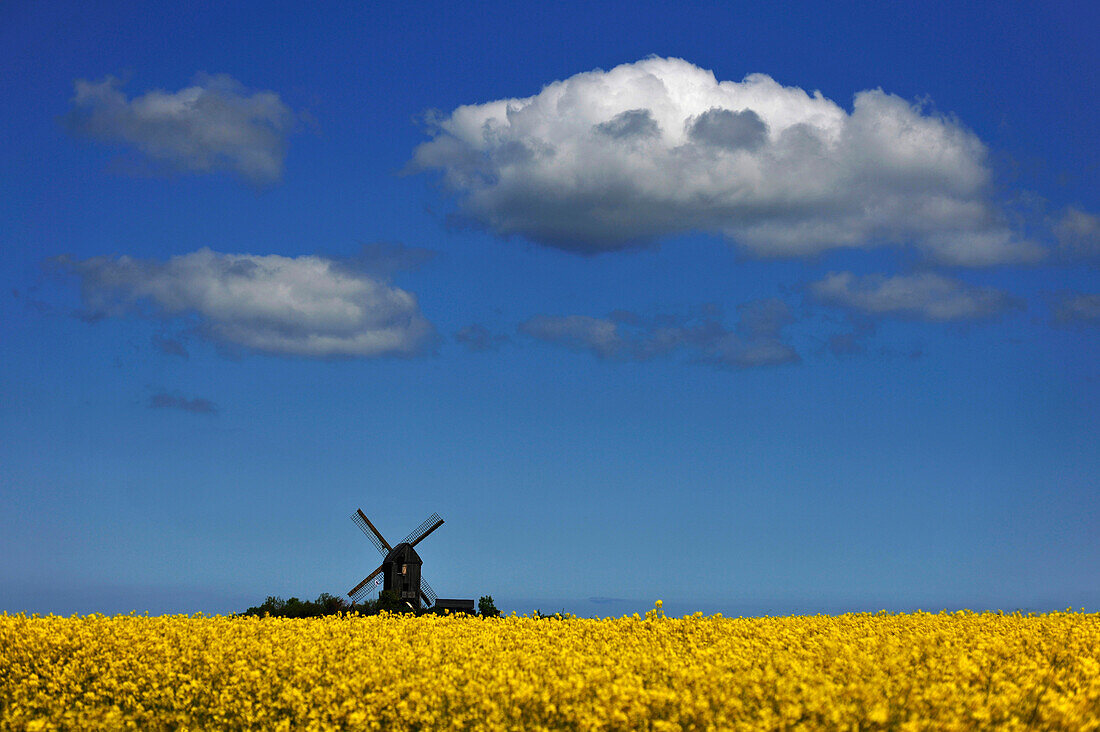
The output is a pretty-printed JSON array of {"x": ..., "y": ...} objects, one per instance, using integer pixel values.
[{"x": 394, "y": 672}]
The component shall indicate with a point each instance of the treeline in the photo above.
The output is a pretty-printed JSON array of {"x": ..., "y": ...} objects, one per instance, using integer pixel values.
[{"x": 327, "y": 604}]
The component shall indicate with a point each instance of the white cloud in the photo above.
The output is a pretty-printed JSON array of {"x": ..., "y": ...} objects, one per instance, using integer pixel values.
[
  {"x": 607, "y": 160},
  {"x": 1078, "y": 310},
  {"x": 478, "y": 338},
  {"x": 166, "y": 400},
  {"x": 756, "y": 340},
  {"x": 1078, "y": 234},
  {"x": 924, "y": 296},
  {"x": 214, "y": 124},
  {"x": 302, "y": 306},
  {"x": 600, "y": 336}
]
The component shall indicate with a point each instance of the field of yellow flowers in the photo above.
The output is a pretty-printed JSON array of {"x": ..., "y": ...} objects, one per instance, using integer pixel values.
[{"x": 391, "y": 672}]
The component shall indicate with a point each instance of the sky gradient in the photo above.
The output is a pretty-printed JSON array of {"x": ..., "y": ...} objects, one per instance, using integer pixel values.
[{"x": 789, "y": 308}]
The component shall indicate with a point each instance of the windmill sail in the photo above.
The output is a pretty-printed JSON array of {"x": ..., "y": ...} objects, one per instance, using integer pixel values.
[
  {"x": 426, "y": 527},
  {"x": 372, "y": 533},
  {"x": 367, "y": 585},
  {"x": 427, "y": 592}
]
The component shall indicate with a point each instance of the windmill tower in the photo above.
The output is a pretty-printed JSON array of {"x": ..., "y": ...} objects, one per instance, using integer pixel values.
[{"x": 400, "y": 568}]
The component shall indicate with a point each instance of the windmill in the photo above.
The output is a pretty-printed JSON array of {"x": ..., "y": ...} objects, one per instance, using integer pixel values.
[{"x": 400, "y": 568}]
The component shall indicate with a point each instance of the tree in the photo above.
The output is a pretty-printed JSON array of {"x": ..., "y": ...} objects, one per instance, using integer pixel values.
[
  {"x": 277, "y": 607},
  {"x": 331, "y": 604},
  {"x": 486, "y": 608}
]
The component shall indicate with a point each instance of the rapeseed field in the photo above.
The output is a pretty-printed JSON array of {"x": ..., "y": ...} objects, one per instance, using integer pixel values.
[{"x": 946, "y": 671}]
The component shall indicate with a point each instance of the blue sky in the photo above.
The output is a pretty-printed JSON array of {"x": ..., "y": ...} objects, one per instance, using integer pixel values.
[{"x": 781, "y": 308}]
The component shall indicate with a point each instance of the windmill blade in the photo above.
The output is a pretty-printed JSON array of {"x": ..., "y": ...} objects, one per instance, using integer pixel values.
[
  {"x": 372, "y": 533},
  {"x": 427, "y": 592},
  {"x": 426, "y": 527},
  {"x": 372, "y": 580},
  {"x": 364, "y": 592}
]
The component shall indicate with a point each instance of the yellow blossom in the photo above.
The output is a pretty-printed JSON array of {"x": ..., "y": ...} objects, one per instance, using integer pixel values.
[{"x": 947, "y": 671}]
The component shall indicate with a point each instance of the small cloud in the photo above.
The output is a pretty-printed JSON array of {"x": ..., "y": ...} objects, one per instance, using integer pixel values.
[
  {"x": 1078, "y": 310},
  {"x": 171, "y": 346},
  {"x": 308, "y": 306},
  {"x": 478, "y": 338},
  {"x": 845, "y": 344},
  {"x": 924, "y": 296},
  {"x": 755, "y": 341},
  {"x": 164, "y": 400},
  {"x": 626, "y": 317},
  {"x": 599, "y": 336},
  {"x": 856, "y": 342},
  {"x": 764, "y": 317},
  {"x": 214, "y": 124},
  {"x": 384, "y": 258},
  {"x": 1078, "y": 234},
  {"x": 981, "y": 249},
  {"x": 30, "y": 300},
  {"x": 853, "y": 342}
]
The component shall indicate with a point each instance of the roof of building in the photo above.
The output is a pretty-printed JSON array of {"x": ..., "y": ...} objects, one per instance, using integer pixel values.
[{"x": 403, "y": 553}]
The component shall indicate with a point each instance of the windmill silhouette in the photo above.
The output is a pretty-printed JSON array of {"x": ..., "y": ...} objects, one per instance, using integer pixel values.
[{"x": 400, "y": 568}]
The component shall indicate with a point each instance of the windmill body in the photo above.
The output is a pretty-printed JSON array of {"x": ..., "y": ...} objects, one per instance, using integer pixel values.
[
  {"x": 401, "y": 573},
  {"x": 400, "y": 568}
]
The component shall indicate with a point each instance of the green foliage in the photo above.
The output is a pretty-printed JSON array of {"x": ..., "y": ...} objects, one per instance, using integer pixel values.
[
  {"x": 277, "y": 607},
  {"x": 327, "y": 604},
  {"x": 486, "y": 608},
  {"x": 331, "y": 604}
]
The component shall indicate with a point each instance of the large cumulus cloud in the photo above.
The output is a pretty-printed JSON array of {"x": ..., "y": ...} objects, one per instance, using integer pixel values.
[
  {"x": 296, "y": 306},
  {"x": 606, "y": 160}
]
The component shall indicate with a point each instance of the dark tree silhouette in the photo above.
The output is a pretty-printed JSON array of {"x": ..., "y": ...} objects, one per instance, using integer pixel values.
[{"x": 486, "y": 608}]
